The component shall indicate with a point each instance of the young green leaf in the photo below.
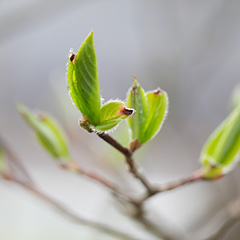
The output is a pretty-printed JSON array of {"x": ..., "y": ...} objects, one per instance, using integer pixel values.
[
  {"x": 47, "y": 132},
  {"x": 151, "y": 109},
  {"x": 137, "y": 100},
  {"x": 221, "y": 151},
  {"x": 83, "y": 82},
  {"x": 111, "y": 114},
  {"x": 157, "y": 104}
]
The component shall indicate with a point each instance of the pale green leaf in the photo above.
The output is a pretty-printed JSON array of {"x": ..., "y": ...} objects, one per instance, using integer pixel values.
[
  {"x": 83, "y": 82},
  {"x": 158, "y": 105},
  {"x": 151, "y": 110},
  {"x": 222, "y": 149},
  {"x": 111, "y": 114},
  {"x": 47, "y": 131},
  {"x": 137, "y": 100}
]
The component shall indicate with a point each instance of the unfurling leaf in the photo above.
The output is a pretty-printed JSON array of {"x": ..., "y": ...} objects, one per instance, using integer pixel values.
[
  {"x": 84, "y": 90},
  {"x": 157, "y": 104},
  {"x": 111, "y": 114},
  {"x": 47, "y": 131},
  {"x": 151, "y": 109},
  {"x": 83, "y": 82},
  {"x": 221, "y": 151},
  {"x": 137, "y": 100}
]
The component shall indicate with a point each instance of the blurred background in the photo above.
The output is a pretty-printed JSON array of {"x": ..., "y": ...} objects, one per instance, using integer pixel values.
[{"x": 188, "y": 48}]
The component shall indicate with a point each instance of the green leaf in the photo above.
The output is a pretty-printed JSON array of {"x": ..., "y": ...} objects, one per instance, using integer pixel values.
[
  {"x": 157, "y": 104},
  {"x": 151, "y": 110},
  {"x": 83, "y": 82},
  {"x": 3, "y": 162},
  {"x": 47, "y": 131},
  {"x": 221, "y": 151},
  {"x": 137, "y": 100},
  {"x": 111, "y": 114}
]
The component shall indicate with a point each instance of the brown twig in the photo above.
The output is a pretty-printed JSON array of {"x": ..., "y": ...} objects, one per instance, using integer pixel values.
[
  {"x": 129, "y": 160},
  {"x": 107, "y": 138},
  {"x": 29, "y": 184},
  {"x": 73, "y": 166},
  {"x": 150, "y": 188},
  {"x": 222, "y": 231},
  {"x": 231, "y": 215},
  {"x": 156, "y": 230},
  {"x": 96, "y": 225},
  {"x": 15, "y": 164},
  {"x": 194, "y": 177}
]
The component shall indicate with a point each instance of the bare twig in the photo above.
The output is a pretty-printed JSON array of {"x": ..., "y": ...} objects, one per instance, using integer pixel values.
[
  {"x": 129, "y": 160},
  {"x": 96, "y": 225},
  {"x": 222, "y": 231},
  {"x": 194, "y": 177},
  {"x": 155, "y": 230},
  {"x": 150, "y": 188},
  {"x": 15, "y": 164},
  {"x": 230, "y": 214},
  {"x": 30, "y": 186},
  {"x": 73, "y": 166},
  {"x": 107, "y": 138}
]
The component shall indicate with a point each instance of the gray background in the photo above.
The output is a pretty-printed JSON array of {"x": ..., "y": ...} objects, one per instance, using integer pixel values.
[{"x": 190, "y": 48}]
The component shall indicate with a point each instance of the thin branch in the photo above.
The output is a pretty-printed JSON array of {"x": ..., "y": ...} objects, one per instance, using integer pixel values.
[
  {"x": 70, "y": 166},
  {"x": 222, "y": 231},
  {"x": 96, "y": 225},
  {"x": 232, "y": 210},
  {"x": 137, "y": 174},
  {"x": 151, "y": 189},
  {"x": 107, "y": 138},
  {"x": 73, "y": 166},
  {"x": 129, "y": 160},
  {"x": 15, "y": 163},
  {"x": 30, "y": 186},
  {"x": 194, "y": 177},
  {"x": 155, "y": 230}
]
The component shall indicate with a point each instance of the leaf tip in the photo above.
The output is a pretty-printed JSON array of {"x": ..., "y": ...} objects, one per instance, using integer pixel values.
[
  {"x": 71, "y": 56},
  {"x": 89, "y": 38},
  {"x": 158, "y": 91},
  {"x": 128, "y": 111},
  {"x": 135, "y": 83}
]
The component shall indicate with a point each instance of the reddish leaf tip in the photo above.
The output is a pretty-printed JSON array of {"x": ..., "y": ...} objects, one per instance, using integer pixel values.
[
  {"x": 71, "y": 56},
  {"x": 127, "y": 111},
  {"x": 158, "y": 91}
]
